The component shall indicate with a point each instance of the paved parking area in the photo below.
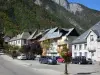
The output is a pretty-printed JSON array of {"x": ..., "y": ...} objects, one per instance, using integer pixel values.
[{"x": 73, "y": 69}]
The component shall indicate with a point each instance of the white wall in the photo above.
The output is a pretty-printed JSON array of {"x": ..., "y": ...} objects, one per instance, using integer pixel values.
[
  {"x": 19, "y": 42},
  {"x": 92, "y": 45},
  {"x": 83, "y": 50},
  {"x": 98, "y": 51}
]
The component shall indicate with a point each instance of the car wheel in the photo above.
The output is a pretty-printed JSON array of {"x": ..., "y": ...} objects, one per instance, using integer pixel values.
[{"x": 48, "y": 63}]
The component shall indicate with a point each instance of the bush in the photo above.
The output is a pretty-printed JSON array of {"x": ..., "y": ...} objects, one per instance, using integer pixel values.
[
  {"x": 10, "y": 49},
  {"x": 66, "y": 54}
]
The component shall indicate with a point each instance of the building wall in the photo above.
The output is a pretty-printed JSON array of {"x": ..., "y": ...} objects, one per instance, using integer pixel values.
[
  {"x": 19, "y": 42},
  {"x": 92, "y": 44},
  {"x": 98, "y": 51},
  {"x": 80, "y": 50},
  {"x": 53, "y": 50}
]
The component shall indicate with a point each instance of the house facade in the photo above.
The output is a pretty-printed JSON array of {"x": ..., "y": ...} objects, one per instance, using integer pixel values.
[
  {"x": 56, "y": 34},
  {"x": 88, "y": 44},
  {"x": 20, "y": 39}
]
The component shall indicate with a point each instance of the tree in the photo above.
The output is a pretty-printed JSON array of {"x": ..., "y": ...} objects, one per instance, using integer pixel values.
[
  {"x": 1, "y": 40},
  {"x": 38, "y": 48},
  {"x": 45, "y": 46},
  {"x": 35, "y": 48},
  {"x": 25, "y": 49},
  {"x": 65, "y": 53}
]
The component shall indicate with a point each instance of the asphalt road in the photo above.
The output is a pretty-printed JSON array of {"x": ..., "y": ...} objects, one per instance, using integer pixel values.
[
  {"x": 93, "y": 69},
  {"x": 9, "y": 68}
]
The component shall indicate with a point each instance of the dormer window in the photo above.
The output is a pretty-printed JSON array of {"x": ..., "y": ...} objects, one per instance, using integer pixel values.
[{"x": 91, "y": 38}]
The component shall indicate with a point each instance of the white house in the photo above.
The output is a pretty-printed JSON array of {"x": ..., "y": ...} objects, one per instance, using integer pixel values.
[
  {"x": 88, "y": 44},
  {"x": 20, "y": 39}
]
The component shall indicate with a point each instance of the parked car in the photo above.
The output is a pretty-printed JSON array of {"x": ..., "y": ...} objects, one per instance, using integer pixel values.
[
  {"x": 37, "y": 57},
  {"x": 47, "y": 60},
  {"x": 79, "y": 60},
  {"x": 22, "y": 57},
  {"x": 89, "y": 61},
  {"x": 83, "y": 61},
  {"x": 61, "y": 60},
  {"x": 75, "y": 60},
  {"x": 30, "y": 57}
]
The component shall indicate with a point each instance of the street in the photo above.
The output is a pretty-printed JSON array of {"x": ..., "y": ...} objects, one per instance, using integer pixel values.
[{"x": 9, "y": 66}]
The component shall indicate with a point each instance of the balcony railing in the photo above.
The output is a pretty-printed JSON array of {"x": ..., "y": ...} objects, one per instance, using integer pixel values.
[{"x": 91, "y": 49}]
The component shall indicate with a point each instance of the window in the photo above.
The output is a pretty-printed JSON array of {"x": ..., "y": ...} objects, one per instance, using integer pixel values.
[
  {"x": 75, "y": 47},
  {"x": 18, "y": 41},
  {"x": 85, "y": 54},
  {"x": 75, "y": 54},
  {"x": 91, "y": 38},
  {"x": 24, "y": 41},
  {"x": 80, "y": 53},
  {"x": 85, "y": 45},
  {"x": 80, "y": 47},
  {"x": 92, "y": 54}
]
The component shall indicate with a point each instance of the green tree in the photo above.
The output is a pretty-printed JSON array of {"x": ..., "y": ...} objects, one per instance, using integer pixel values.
[
  {"x": 45, "y": 46},
  {"x": 66, "y": 55}
]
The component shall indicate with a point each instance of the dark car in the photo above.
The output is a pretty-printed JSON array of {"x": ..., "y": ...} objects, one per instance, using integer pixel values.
[
  {"x": 89, "y": 61},
  {"x": 75, "y": 60},
  {"x": 79, "y": 60},
  {"x": 47, "y": 60},
  {"x": 83, "y": 61},
  {"x": 30, "y": 57}
]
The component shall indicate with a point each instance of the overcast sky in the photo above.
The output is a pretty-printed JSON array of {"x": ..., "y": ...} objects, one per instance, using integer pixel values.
[{"x": 94, "y": 4}]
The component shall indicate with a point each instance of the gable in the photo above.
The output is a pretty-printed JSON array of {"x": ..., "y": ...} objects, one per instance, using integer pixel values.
[
  {"x": 91, "y": 32},
  {"x": 82, "y": 38}
]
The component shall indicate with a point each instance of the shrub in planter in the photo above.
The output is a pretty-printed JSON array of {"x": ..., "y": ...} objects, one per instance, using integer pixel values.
[{"x": 66, "y": 55}]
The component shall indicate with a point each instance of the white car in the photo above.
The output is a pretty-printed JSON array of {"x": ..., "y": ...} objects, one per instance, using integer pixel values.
[{"x": 21, "y": 57}]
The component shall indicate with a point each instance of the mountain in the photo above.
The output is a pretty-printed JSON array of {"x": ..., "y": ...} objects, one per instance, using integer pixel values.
[{"x": 27, "y": 15}]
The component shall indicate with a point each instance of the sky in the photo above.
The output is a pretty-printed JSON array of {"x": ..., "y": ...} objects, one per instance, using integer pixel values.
[{"x": 94, "y": 4}]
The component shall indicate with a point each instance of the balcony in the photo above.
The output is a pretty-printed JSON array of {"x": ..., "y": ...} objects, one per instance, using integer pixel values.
[{"x": 91, "y": 49}]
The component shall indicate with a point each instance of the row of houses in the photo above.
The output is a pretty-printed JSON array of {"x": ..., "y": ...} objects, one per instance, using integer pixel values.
[
  {"x": 53, "y": 34},
  {"x": 87, "y": 44}
]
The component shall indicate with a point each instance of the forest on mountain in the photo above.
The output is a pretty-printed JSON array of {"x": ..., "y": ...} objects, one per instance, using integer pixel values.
[{"x": 17, "y": 16}]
